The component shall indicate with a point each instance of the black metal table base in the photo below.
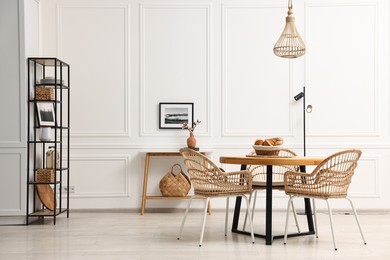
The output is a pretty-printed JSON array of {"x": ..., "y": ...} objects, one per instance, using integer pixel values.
[
  {"x": 268, "y": 213},
  {"x": 268, "y": 236},
  {"x": 277, "y": 236}
]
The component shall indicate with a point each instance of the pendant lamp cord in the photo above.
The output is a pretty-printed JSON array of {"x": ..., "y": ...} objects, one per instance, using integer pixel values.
[{"x": 289, "y": 4}]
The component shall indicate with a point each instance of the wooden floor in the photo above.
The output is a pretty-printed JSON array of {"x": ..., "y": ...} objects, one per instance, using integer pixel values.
[{"x": 128, "y": 235}]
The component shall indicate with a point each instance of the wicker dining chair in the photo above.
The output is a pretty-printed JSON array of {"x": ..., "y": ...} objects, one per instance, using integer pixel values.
[
  {"x": 210, "y": 181},
  {"x": 329, "y": 180},
  {"x": 259, "y": 179}
]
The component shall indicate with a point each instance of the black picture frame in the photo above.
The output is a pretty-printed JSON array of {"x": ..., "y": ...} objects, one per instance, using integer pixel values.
[
  {"x": 173, "y": 115},
  {"x": 45, "y": 113}
]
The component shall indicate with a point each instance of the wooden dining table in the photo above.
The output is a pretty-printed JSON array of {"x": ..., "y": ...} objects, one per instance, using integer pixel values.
[{"x": 269, "y": 162}]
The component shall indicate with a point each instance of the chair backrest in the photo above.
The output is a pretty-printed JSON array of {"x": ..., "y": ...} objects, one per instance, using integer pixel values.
[
  {"x": 331, "y": 178},
  {"x": 210, "y": 180},
  {"x": 259, "y": 172}
]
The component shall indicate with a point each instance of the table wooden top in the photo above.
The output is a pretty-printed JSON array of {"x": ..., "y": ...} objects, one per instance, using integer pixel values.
[
  {"x": 264, "y": 160},
  {"x": 163, "y": 153},
  {"x": 167, "y": 153}
]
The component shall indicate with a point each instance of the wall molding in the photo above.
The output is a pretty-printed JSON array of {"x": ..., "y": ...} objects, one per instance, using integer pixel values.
[
  {"x": 21, "y": 209},
  {"x": 374, "y": 4},
  {"x": 210, "y": 146},
  {"x": 376, "y": 189},
  {"x": 225, "y": 131},
  {"x": 143, "y": 7},
  {"x": 127, "y": 69},
  {"x": 98, "y": 158}
]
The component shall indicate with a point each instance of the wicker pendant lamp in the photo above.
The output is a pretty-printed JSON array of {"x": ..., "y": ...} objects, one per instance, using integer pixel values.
[{"x": 290, "y": 44}]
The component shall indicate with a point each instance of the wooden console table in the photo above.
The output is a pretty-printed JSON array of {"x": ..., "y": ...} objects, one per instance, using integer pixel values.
[{"x": 146, "y": 175}]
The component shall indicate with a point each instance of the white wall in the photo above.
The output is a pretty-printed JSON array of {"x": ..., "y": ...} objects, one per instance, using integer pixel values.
[
  {"x": 19, "y": 34},
  {"x": 127, "y": 56}
]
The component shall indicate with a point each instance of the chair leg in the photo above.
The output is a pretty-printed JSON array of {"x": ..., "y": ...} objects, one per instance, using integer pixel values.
[
  {"x": 226, "y": 215},
  {"x": 295, "y": 216},
  {"x": 204, "y": 221},
  {"x": 254, "y": 196},
  {"x": 254, "y": 205},
  {"x": 185, "y": 217},
  {"x": 287, "y": 215},
  {"x": 315, "y": 217},
  {"x": 331, "y": 223},
  {"x": 250, "y": 218},
  {"x": 357, "y": 220}
]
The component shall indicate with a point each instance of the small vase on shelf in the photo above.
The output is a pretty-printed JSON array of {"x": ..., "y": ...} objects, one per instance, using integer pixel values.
[{"x": 191, "y": 141}]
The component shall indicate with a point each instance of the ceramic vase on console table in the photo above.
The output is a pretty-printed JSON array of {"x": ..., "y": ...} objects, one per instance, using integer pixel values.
[{"x": 191, "y": 141}]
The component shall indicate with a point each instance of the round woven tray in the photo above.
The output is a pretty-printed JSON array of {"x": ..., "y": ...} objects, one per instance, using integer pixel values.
[{"x": 267, "y": 150}]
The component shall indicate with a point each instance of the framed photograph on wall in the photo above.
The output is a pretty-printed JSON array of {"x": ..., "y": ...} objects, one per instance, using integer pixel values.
[
  {"x": 46, "y": 115},
  {"x": 174, "y": 115}
]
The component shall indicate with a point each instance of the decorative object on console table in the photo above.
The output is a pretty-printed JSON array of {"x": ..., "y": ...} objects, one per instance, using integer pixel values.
[
  {"x": 175, "y": 185},
  {"x": 191, "y": 141}
]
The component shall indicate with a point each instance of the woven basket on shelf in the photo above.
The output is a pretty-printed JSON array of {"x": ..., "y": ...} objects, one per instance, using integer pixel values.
[
  {"x": 45, "y": 175},
  {"x": 43, "y": 93},
  {"x": 175, "y": 185}
]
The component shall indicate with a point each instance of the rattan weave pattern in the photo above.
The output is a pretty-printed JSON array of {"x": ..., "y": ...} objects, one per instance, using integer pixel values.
[
  {"x": 330, "y": 179},
  {"x": 259, "y": 172},
  {"x": 175, "y": 185},
  {"x": 210, "y": 180}
]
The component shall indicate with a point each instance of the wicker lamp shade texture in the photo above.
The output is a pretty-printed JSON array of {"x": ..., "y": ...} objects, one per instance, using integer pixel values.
[{"x": 290, "y": 44}]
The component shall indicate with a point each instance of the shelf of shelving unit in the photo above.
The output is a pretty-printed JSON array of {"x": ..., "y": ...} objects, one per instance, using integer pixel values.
[{"x": 39, "y": 68}]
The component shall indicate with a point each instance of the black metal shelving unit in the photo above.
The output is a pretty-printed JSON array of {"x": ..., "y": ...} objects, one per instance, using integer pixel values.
[{"x": 40, "y": 68}]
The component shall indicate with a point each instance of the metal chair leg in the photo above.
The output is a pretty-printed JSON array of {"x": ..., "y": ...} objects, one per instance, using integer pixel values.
[
  {"x": 250, "y": 218},
  {"x": 357, "y": 220},
  {"x": 253, "y": 194},
  {"x": 315, "y": 218},
  {"x": 295, "y": 216},
  {"x": 254, "y": 205},
  {"x": 331, "y": 223},
  {"x": 185, "y": 217},
  {"x": 287, "y": 215},
  {"x": 226, "y": 215},
  {"x": 204, "y": 221}
]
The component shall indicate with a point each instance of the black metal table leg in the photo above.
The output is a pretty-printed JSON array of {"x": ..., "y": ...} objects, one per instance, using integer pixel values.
[
  {"x": 236, "y": 215},
  {"x": 237, "y": 208},
  {"x": 308, "y": 211},
  {"x": 268, "y": 207},
  {"x": 309, "y": 215},
  {"x": 269, "y": 237}
]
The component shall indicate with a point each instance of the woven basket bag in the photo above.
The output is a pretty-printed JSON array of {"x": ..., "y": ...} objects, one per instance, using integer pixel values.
[{"x": 175, "y": 185}]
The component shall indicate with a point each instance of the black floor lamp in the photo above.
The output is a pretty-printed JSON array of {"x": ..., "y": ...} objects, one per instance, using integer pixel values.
[{"x": 307, "y": 109}]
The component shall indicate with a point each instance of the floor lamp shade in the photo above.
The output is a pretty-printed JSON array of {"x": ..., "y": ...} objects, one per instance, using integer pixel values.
[{"x": 290, "y": 44}]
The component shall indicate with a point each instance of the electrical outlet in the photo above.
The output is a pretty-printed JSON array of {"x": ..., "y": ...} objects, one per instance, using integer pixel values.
[
  {"x": 71, "y": 189},
  {"x": 65, "y": 189}
]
